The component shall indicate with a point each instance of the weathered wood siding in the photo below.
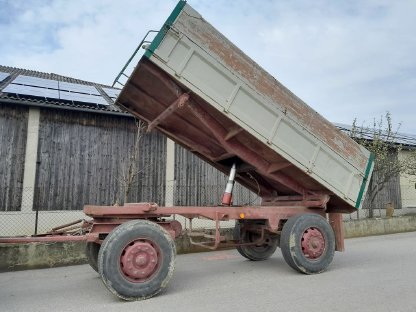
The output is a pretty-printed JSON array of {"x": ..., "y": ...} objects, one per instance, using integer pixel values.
[
  {"x": 153, "y": 163},
  {"x": 197, "y": 183},
  {"x": 82, "y": 158},
  {"x": 13, "y": 132}
]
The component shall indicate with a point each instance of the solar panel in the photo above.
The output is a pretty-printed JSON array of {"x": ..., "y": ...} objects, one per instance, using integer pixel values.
[
  {"x": 79, "y": 97},
  {"x": 67, "y": 86},
  {"x": 111, "y": 92},
  {"x": 47, "y": 88},
  {"x": 368, "y": 134},
  {"x": 36, "y": 82},
  {"x": 3, "y": 76},
  {"x": 33, "y": 91}
]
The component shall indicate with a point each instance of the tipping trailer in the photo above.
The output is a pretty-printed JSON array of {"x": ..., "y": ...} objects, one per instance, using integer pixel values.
[{"x": 201, "y": 91}]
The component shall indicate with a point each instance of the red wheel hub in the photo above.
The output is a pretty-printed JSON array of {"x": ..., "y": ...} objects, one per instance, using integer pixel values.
[
  {"x": 313, "y": 243},
  {"x": 138, "y": 261}
]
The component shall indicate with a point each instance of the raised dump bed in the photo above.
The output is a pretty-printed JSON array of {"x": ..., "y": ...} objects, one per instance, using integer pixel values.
[{"x": 204, "y": 93}]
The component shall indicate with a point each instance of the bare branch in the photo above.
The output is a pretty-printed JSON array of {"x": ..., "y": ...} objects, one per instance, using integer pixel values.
[
  {"x": 129, "y": 173},
  {"x": 381, "y": 140}
]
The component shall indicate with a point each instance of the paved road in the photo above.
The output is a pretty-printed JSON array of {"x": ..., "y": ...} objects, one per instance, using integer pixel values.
[{"x": 374, "y": 274}]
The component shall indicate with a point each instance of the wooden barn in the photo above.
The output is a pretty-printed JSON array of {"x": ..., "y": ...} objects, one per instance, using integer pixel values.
[{"x": 63, "y": 144}]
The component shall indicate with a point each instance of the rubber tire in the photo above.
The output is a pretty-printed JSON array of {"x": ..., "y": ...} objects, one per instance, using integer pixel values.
[
  {"x": 91, "y": 252},
  {"x": 109, "y": 259},
  {"x": 290, "y": 243},
  {"x": 254, "y": 253}
]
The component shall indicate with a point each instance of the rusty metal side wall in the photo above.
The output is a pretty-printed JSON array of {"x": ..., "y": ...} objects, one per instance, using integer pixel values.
[{"x": 198, "y": 56}]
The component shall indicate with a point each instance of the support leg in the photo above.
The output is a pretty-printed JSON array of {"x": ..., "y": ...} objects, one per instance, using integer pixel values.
[{"x": 335, "y": 219}]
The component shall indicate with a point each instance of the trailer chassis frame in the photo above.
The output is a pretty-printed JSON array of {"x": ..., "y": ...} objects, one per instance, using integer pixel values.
[{"x": 106, "y": 218}]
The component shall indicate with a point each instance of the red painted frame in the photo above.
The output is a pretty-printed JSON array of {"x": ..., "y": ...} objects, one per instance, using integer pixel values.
[{"x": 106, "y": 218}]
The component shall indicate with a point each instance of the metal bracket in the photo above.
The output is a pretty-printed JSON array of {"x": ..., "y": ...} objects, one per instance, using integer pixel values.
[{"x": 178, "y": 103}]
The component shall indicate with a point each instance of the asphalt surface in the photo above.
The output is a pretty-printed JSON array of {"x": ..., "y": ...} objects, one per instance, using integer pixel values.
[{"x": 374, "y": 274}]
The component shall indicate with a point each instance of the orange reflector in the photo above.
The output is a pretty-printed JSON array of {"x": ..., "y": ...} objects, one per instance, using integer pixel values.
[{"x": 242, "y": 215}]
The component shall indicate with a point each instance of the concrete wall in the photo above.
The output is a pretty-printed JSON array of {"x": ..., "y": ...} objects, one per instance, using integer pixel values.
[
  {"x": 41, "y": 255},
  {"x": 15, "y": 257},
  {"x": 29, "y": 176},
  {"x": 407, "y": 186},
  {"x": 380, "y": 226}
]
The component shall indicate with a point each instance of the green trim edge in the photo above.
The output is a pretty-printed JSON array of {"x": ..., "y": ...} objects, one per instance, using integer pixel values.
[
  {"x": 365, "y": 180},
  {"x": 166, "y": 26}
]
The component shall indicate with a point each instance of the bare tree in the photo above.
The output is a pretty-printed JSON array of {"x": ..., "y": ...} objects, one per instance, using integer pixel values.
[
  {"x": 382, "y": 140},
  {"x": 129, "y": 174}
]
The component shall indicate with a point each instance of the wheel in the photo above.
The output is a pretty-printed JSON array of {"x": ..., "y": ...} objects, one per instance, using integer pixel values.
[
  {"x": 307, "y": 243},
  {"x": 137, "y": 260},
  {"x": 254, "y": 252},
  {"x": 91, "y": 252}
]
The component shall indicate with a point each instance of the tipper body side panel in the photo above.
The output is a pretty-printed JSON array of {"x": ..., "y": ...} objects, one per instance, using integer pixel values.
[{"x": 199, "y": 89}]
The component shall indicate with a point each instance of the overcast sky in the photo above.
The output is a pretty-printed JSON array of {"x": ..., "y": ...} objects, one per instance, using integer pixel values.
[{"x": 346, "y": 59}]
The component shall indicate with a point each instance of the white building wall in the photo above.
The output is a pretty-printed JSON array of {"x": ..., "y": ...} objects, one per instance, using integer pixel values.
[{"x": 408, "y": 188}]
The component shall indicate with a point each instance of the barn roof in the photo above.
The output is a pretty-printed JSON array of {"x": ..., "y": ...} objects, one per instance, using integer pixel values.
[
  {"x": 33, "y": 88},
  {"x": 403, "y": 139}
]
